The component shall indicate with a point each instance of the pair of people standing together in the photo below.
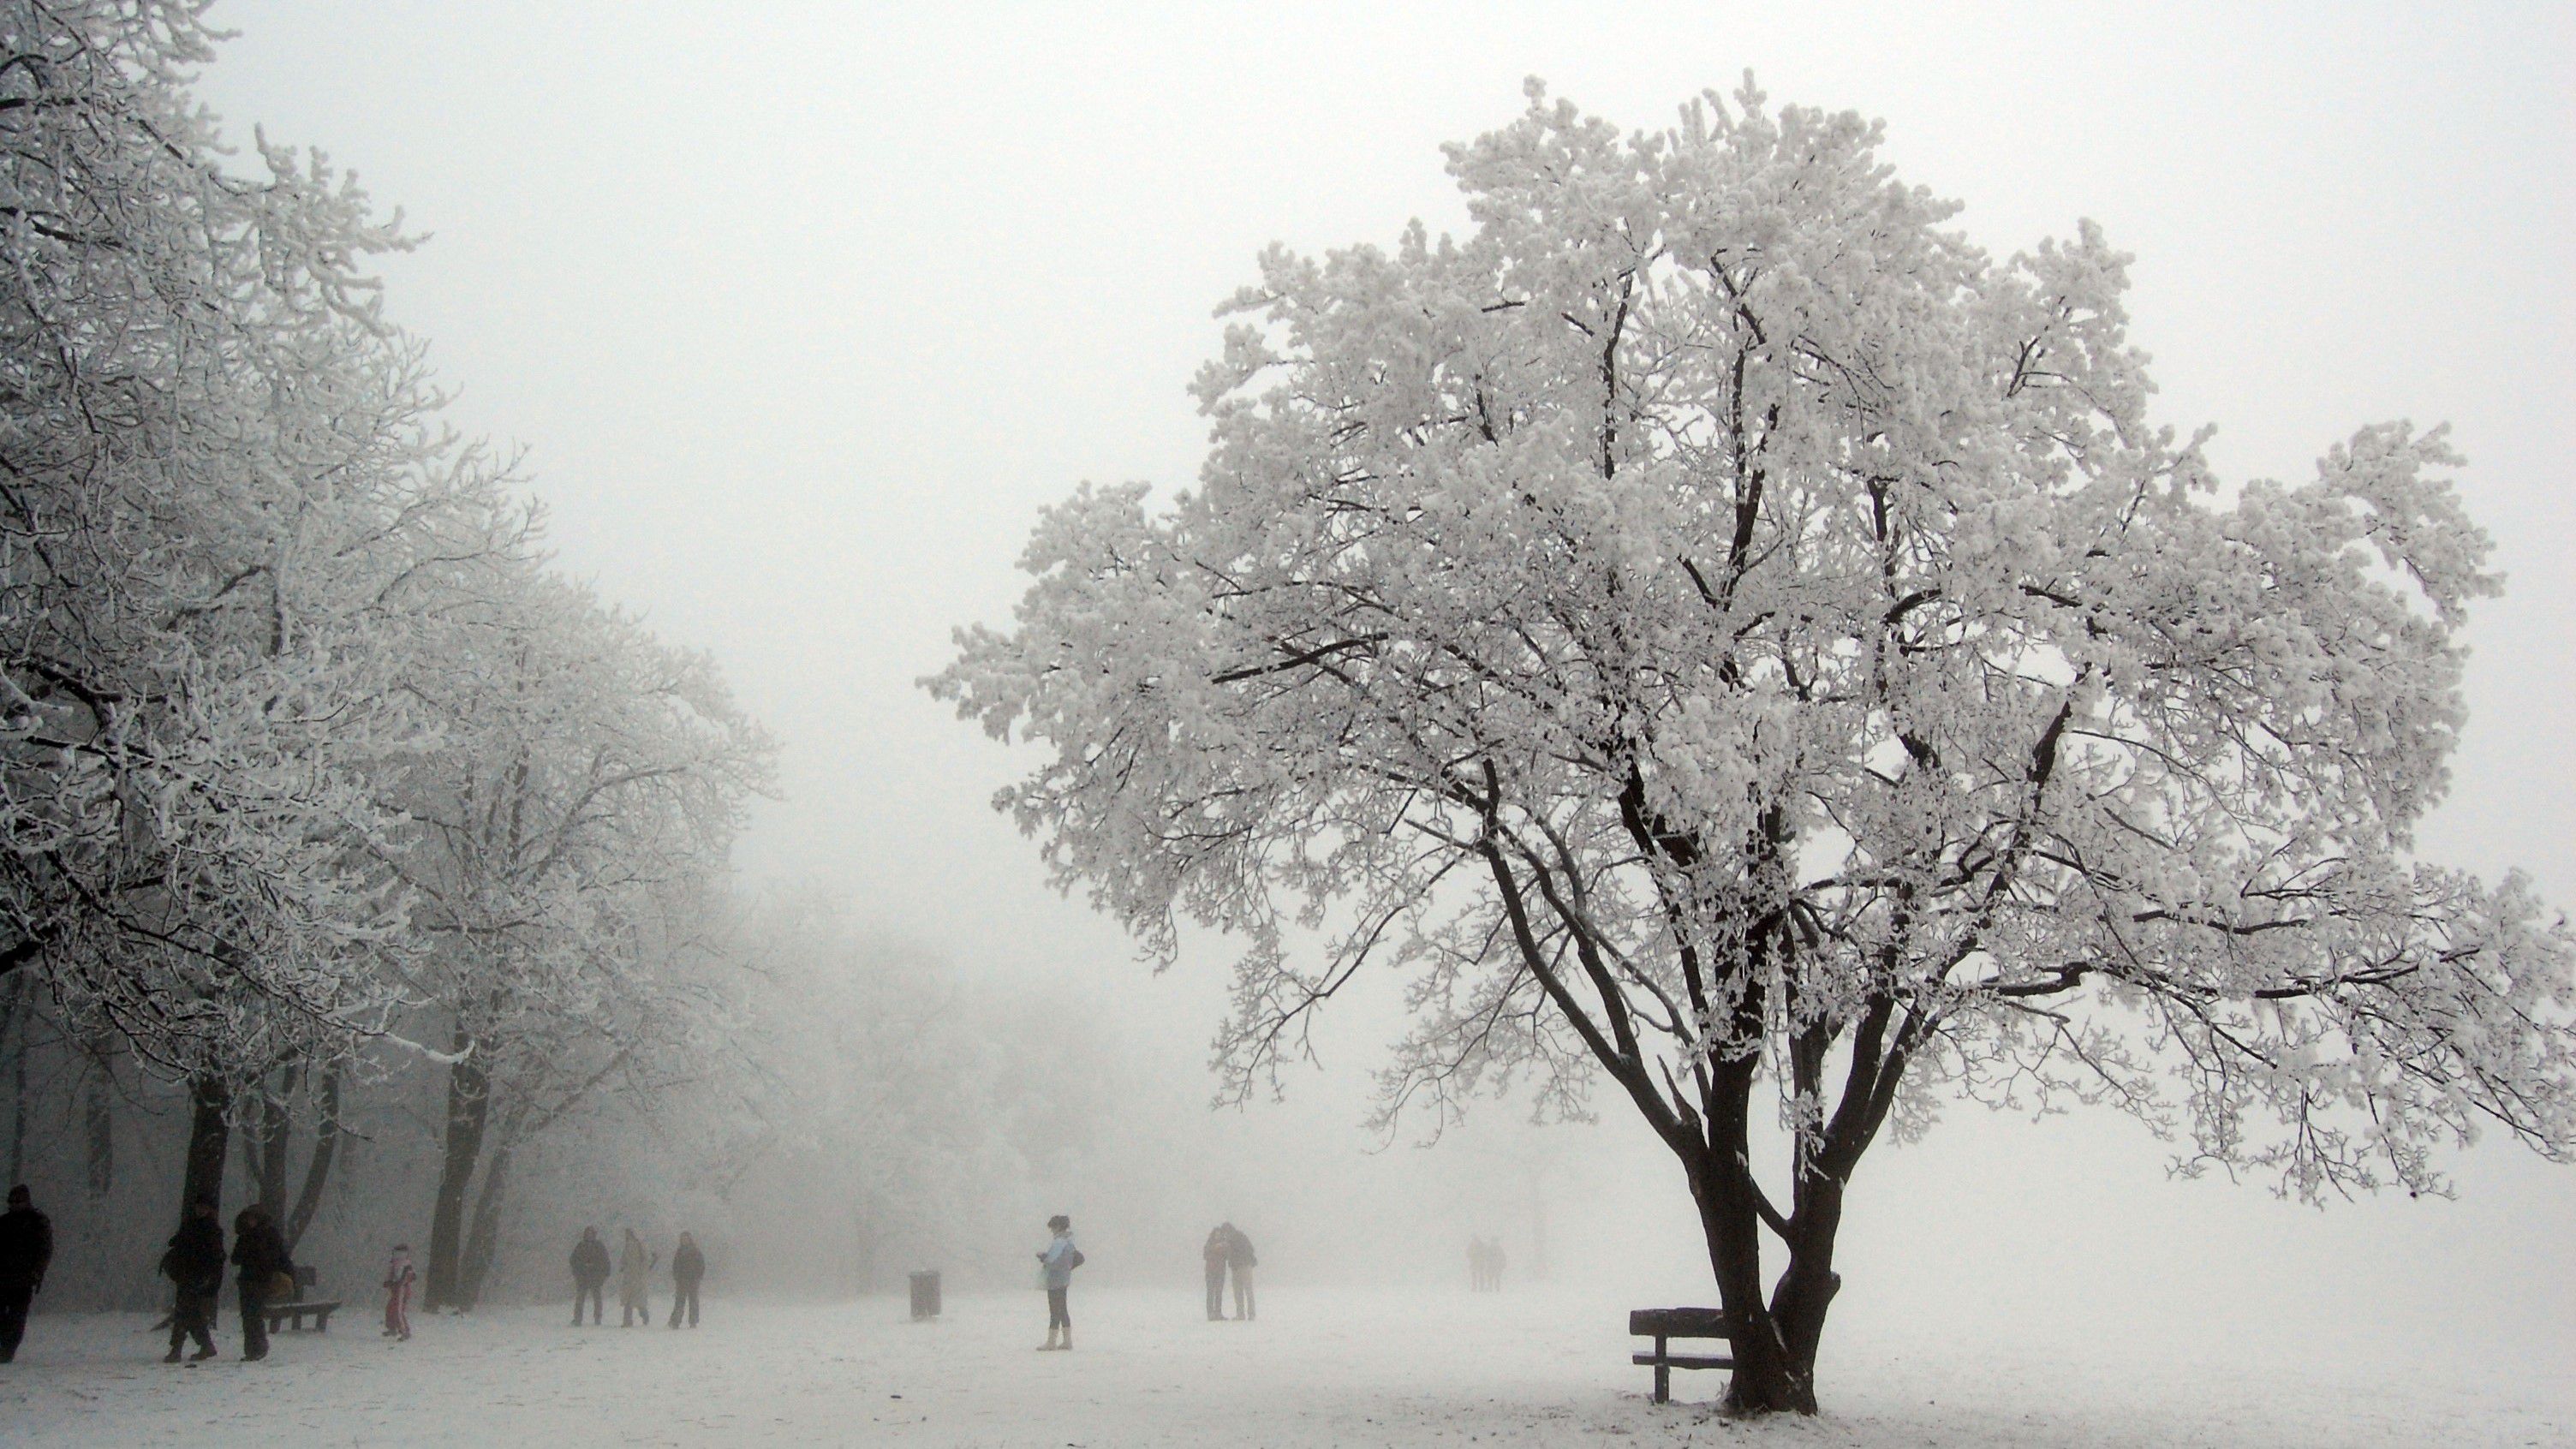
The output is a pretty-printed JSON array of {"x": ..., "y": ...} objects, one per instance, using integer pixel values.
[
  {"x": 635, "y": 1264},
  {"x": 195, "y": 1263},
  {"x": 1228, "y": 1251}
]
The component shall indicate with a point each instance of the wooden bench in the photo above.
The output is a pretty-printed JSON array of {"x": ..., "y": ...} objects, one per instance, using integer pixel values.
[
  {"x": 1666, "y": 1324},
  {"x": 294, "y": 1314}
]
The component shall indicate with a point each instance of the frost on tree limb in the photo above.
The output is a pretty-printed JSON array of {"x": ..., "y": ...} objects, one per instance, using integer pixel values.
[{"x": 1716, "y": 627}]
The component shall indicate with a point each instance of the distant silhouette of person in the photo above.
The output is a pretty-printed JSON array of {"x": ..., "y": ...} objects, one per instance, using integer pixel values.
[
  {"x": 589, "y": 1274},
  {"x": 1055, "y": 1272},
  {"x": 1219, "y": 1245},
  {"x": 399, "y": 1278},
  {"x": 1494, "y": 1266},
  {"x": 1475, "y": 1264},
  {"x": 195, "y": 1264},
  {"x": 26, "y": 1249},
  {"x": 259, "y": 1251},
  {"x": 1239, "y": 1260},
  {"x": 635, "y": 1264},
  {"x": 688, "y": 1265}
]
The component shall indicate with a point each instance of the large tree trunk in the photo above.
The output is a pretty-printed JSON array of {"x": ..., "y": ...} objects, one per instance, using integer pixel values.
[
  {"x": 483, "y": 1235},
  {"x": 272, "y": 1146},
  {"x": 210, "y": 1132},
  {"x": 326, "y": 1145},
  {"x": 469, "y": 1107}
]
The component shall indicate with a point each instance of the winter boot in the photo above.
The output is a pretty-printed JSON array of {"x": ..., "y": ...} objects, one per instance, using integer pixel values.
[
  {"x": 1067, "y": 1345},
  {"x": 1049, "y": 1345}
]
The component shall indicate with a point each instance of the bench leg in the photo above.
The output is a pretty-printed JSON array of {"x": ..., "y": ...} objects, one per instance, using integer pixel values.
[{"x": 1663, "y": 1374}]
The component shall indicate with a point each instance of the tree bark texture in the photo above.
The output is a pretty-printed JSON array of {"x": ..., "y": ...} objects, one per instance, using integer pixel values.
[
  {"x": 469, "y": 1106},
  {"x": 326, "y": 1146},
  {"x": 210, "y": 1132}
]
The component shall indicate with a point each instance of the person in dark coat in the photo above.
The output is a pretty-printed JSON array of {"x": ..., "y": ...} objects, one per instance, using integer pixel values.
[
  {"x": 259, "y": 1251},
  {"x": 195, "y": 1262},
  {"x": 26, "y": 1248},
  {"x": 1239, "y": 1260},
  {"x": 589, "y": 1274},
  {"x": 1214, "y": 1253},
  {"x": 688, "y": 1265}
]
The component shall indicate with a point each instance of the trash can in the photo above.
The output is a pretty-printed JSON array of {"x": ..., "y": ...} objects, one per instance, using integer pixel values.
[{"x": 925, "y": 1296}]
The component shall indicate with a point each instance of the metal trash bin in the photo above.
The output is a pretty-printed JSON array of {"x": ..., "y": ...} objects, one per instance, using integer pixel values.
[{"x": 925, "y": 1296}]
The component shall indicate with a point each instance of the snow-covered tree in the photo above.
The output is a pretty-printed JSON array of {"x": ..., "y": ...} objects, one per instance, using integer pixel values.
[
  {"x": 568, "y": 838},
  {"x": 1727, "y": 634},
  {"x": 217, "y": 465}
]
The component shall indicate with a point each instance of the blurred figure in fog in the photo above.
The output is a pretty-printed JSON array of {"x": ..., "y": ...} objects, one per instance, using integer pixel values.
[
  {"x": 589, "y": 1274},
  {"x": 195, "y": 1262},
  {"x": 1239, "y": 1259},
  {"x": 399, "y": 1276},
  {"x": 267, "y": 1273},
  {"x": 1494, "y": 1266},
  {"x": 1219, "y": 1242},
  {"x": 1055, "y": 1274},
  {"x": 635, "y": 1265},
  {"x": 688, "y": 1265},
  {"x": 26, "y": 1247},
  {"x": 1475, "y": 1264}
]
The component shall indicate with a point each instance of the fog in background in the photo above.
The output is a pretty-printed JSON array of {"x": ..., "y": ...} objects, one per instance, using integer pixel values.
[{"x": 802, "y": 312}]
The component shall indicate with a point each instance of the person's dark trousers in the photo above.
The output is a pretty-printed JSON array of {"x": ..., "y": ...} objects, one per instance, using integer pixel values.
[
  {"x": 1216, "y": 1291},
  {"x": 14, "y": 1298},
  {"x": 1057, "y": 1317},
  {"x": 586, "y": 1292},
  {"x": 684, "y": 1294},
  {"x": 254, "y": 1314},
  {"x": 193, "y": 1317},
  {"x": 1243, "y": 1294}
]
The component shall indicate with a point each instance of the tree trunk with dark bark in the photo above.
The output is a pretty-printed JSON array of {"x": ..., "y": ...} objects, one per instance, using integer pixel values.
[
  {"x": 483, "y": 1234},
  {"x": 272, "y": 1146},
  {"x": 469, "y": 1106},
  {"x": 210, "y": 1133},
  {"x": 326, "y": 1146}
]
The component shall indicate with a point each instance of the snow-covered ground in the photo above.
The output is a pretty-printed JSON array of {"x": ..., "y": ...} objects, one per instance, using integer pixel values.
[{"x": 1322, "y": 1367}]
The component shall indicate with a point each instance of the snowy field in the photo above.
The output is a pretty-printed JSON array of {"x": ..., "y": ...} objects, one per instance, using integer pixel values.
[{"x": 1337, "y": 1367}]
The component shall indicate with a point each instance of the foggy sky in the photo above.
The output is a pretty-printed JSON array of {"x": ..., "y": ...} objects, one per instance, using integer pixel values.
[{"x": 801, "y": 312}]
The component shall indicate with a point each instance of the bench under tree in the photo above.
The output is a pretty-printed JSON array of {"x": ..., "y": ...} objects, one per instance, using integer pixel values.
[
  {"x": 1665, "y": 1324},
  {"x": 305, "y": 1306}
]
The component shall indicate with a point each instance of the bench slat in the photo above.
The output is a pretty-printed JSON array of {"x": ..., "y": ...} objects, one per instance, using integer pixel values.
[
  {"x": 1682, "y": 1360},
  {"x": 1678, "y": 1322}
]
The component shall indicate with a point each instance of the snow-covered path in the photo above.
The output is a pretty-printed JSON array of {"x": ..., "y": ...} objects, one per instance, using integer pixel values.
[{"x": 1324, "y": 1367}]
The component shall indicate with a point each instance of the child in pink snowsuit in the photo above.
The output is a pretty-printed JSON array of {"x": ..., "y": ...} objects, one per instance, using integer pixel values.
[{"x": 398, "y": 1280}]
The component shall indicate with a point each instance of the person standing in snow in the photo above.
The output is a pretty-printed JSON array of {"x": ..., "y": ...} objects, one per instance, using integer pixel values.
[
  {"x": 195, "y": 1262},
  {"x": 399, "y": 1277},
  {"x": 635, "y": 1266},
  {"x": 589, "y": 1274},
  {"x": 259, "y": 1251},
  {"x": 1055, "y": 1271},
  {"x": 26, "y": 1248},
  {"x": 1215, "y": 1254},
  {"x": 1238, "y": 1257},
  {"x": 688, "y": 1265}
]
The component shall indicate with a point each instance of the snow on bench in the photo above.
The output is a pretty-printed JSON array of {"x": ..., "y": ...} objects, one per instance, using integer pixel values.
[{"x": 1663, "y": 1324}]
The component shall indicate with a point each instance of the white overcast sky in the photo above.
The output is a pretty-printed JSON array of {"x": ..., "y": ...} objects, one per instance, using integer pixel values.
[{"x": 802, "y": 311}]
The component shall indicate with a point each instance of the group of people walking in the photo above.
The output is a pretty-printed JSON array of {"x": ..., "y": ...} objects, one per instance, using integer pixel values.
[
  {"x": 634, "y": 1271},
  {"x": 1484, "y": 1266},
  {"x": 1228, "y": 1251}
]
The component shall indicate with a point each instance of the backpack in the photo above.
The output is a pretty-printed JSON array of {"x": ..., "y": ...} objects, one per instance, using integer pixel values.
[{"x": 1078, "y": 1260}]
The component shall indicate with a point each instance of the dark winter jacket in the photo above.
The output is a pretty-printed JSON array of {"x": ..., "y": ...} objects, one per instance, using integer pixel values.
[
  {"x": 1238, "y": 1251},
  {"x": 688, "y": 1265},
  {"x": 260, "y": 1253},
  {"x": 590, "y": 1261},
  {"x": 1220, "y": 1245},
  {"x": 196, "y": 1258},
  {"x": 26, "y": 1246}
]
